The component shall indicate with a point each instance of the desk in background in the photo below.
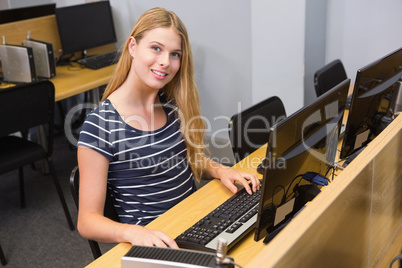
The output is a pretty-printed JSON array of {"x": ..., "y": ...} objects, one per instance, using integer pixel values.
[{"x": 69, "y": 81}]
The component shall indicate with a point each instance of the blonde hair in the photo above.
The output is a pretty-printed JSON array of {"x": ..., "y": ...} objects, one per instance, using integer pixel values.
[{"x": 182, "y": 90}]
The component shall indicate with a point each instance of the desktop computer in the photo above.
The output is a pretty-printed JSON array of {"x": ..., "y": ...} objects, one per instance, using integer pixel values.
[
  {"x": 45, "y": 65},
  {"x": 17, "y": 63}
]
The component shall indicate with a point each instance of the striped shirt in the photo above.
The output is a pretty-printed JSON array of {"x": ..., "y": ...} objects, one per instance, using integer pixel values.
[{"x": 148, "y": 171}]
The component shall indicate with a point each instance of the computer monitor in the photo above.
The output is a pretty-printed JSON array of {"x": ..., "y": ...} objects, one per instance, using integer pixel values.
[
  {"x": 304, "y": 142},
  {"x": 85, "y": 26},
  {"x": 372, "y": 94},
  {"x": 24, "y": 13}
]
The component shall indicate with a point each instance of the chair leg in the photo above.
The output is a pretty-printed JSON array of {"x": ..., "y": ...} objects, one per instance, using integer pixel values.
[
  {"x": 22, "y": 188},
  {"x": 96, "y": 252},
  {"x": 61, "y": 196},
  {"x": 2, "y": 257}
]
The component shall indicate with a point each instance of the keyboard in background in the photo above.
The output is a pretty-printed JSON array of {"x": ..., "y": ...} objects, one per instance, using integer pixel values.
[
  {"x": 100, "y": 61},
  {"x": 232, "y": 220}
]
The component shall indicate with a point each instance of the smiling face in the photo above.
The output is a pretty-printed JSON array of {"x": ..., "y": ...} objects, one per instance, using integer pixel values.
[{"x": 157, "y": 57}]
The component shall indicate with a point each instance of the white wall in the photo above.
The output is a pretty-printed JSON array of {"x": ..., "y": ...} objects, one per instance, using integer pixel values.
[
  {"x": 278, "y": 51},
  {"x": 361, "y": 31}
]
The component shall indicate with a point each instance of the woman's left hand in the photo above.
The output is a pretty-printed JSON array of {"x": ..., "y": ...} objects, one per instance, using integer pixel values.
[{"x": 230, "y": 176}]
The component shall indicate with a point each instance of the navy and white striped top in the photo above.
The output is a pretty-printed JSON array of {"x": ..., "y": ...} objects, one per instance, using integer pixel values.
[{"x": 148, "y": 171}]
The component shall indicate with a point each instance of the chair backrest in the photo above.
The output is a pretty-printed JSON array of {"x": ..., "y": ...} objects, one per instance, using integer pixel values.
[
  {"x": 329, "y": 76},
  {"x": 26, "y": 106},
  {"x": 109, "y": 210},
  {"x": 249, "y": 129}
]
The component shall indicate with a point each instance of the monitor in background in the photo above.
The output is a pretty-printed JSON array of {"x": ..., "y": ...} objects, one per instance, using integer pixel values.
[
  {"x": 24, "y": 13},
  {"x": 304, "y": 142},
  {"x": 371, "y": 97},
  {"x": 85, "y": 26}
]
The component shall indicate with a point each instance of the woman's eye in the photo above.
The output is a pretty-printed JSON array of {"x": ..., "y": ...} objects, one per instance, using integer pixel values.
[
  {"x": 176, "y": 55},
  {"x": 156, "y": 48}
]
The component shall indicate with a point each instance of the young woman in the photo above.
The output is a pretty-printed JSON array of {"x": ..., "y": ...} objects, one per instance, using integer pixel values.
[{"x": 145, "y": 141}]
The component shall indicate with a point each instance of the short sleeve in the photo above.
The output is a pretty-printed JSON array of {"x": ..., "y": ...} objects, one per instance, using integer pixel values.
[{"x": 95, "y": 134}]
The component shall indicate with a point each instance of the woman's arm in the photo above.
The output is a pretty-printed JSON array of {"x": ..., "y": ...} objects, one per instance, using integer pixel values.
[
  {"x": 230, "y": 176},
  {"x": 92, "y": 224}
]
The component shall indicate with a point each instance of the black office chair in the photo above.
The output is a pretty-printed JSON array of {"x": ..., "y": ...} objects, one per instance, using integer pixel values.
[
  {"x": 21, "y": 108},
  {"x": 2, "y": 257},
  {"x": 249, "y": 129},
  {"x": 109, "y": 210},
  {"x": 329, "y": 76}
]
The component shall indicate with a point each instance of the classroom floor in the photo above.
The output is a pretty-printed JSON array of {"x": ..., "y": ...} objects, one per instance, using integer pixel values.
[{"x": 38, "y": 235}]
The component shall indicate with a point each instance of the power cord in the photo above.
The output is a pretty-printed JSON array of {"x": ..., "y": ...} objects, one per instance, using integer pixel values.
[
  {"x": 399, "y": 257},
  {"x": 235, "y": 264},
  {"x": 287, "y": 190},
  {"x": 273, "y": 192}
]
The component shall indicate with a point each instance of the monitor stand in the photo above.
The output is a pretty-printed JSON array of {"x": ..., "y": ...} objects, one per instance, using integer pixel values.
[{"x": 351, "y": 157}]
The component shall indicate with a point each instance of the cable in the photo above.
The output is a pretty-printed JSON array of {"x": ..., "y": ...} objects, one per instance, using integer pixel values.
[
  {"x": 273, "y": 192},
  {"x": 286, "y": 193},
  {"x": 395, "y": 259},
  {"x": 333, "y": 172},
  {"x": 235, "y": 264}
]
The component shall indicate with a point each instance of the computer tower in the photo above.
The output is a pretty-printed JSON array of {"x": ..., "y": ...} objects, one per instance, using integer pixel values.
[
  {"x": 45, "y": 65},
  {"x": 17, "y": 63}
]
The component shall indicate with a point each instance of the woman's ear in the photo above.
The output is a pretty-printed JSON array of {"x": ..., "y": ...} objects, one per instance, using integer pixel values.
[{"x": 132, "y": 44}]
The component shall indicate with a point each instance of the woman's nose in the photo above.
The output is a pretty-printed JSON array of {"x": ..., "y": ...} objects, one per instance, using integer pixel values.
[{"x": 164, "y": 60}]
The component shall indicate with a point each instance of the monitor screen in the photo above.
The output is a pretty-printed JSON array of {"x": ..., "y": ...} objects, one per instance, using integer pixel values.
[
  {"x": 371, "y": 97},
  {"x": 306, "y": 141},
  {"x": 85, "y": 26}
]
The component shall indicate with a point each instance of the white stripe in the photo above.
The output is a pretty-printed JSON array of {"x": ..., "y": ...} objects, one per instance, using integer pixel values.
[
  {"x": 97, "y": 126},
  {"x": 149, "y": 217},
  {"x": 152, "y": 184},
  {"x": 168, "y": 200},
  {"x": 97, "y": 137},
  {"x": 94, "y": 147},
  {"x": 146, "y": 135},
  {"x": 107, "y": 120},
  {"x": 167, "y": 190},
  {"x": 148, "y": 145},
  {"x": 107, "y": 111},
  {"x": 154, "y": 174},
  {"x": 149, "y": 155}
]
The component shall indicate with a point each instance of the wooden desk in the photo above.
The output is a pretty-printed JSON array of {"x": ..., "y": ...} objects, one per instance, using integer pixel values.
[
  {"x": 70, "y": 81},
  {"x": 355, "y": 221}
]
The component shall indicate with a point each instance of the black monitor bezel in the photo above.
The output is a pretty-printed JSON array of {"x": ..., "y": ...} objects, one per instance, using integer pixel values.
[{"x": 63, "y": 15}]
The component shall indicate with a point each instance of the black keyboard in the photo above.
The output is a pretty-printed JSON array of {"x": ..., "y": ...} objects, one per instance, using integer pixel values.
[
  {"x": 232, "y": 220},
  {"x": 99, "y": 61}
]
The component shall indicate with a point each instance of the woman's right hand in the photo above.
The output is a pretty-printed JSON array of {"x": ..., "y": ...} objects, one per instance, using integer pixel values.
[{"x": 141, "y": 236}]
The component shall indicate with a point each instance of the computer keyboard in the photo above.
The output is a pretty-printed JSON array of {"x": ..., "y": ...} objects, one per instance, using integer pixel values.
[
  {"x": 99, "y": 61},
  {"x": 232, "y": 220}
]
